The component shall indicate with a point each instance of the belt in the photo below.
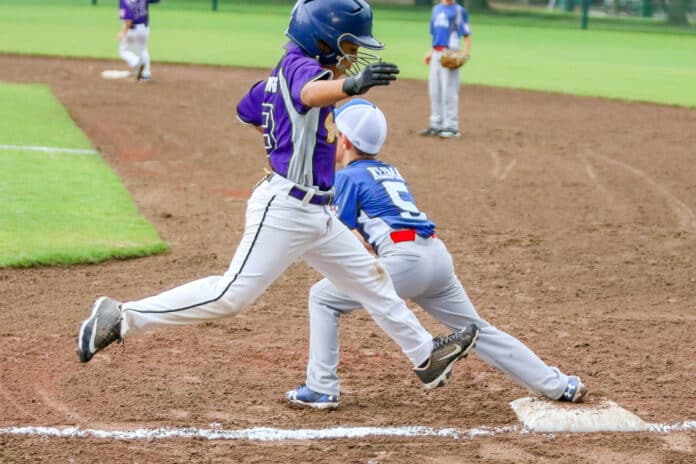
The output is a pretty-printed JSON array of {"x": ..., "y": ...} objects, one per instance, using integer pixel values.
[
  {"x": 439, "y": 48},
  {"x": 319, "y": 197},
  {"x": 405, "y": 235}
]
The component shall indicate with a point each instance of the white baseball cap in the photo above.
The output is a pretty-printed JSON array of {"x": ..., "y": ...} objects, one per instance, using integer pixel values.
[{"x": 364, "y": 124}]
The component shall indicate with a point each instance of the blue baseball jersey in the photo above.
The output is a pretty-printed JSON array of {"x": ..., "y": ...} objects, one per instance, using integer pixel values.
[
  {"x": 300, "y": 140},
  {"x": 373, "y": 198},
  {"x": 448, "y": 24},
  {"x": 135, "y": 10}
]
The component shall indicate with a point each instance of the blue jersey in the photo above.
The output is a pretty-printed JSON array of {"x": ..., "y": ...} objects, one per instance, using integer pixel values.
[
  {"x": 448, "y": 24},
  {"x": 300, "y": 140},
  {"x": 135, "y": 10},
  {"x": 373, "y": 198}
]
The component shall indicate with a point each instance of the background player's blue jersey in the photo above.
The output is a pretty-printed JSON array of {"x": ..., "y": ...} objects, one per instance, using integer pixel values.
[{"x": 372, "y": 197}]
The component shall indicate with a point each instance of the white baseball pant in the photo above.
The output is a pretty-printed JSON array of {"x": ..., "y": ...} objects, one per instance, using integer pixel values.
[
  {"x": 422, "y": 270},
  {"x": 443, "y": 89},
  {"x": 133, "y": 48},
  {"x": 280, "y": 229}
]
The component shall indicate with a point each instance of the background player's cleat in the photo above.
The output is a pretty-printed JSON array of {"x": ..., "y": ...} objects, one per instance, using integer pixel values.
[
  {"x": 449, "y": 133},
  {"x": 101, "y": 329},
  {"x": 139, "y": 71},
  {"x": 575, "y": 391},
  {"x": 446, "y": 351},
  {"x": 429, "y": 132},
  {"x": 145, "y": 79},
  {"x": 306, "y": 397}
]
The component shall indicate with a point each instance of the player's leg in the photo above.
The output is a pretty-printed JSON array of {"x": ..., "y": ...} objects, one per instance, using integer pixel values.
[
  {"x": 450, "y": 102},
  {"x": 276, "y": 233},
  {"x": 341, "y": 258},
  {"x": 143, "y": 53},
  {"x": 448, "y": 302},
  {"x": 326, "y": 306},
  {"x": 435, "y": 91},
  {"x": 125, "y": 49}
]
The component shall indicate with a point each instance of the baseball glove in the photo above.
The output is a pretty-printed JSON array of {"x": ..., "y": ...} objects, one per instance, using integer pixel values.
[{"x": 453, "y": 59}]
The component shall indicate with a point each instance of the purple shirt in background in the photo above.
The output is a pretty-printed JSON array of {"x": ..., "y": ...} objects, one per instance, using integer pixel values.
[
  {"x": 300, "y": 140},
  {"x": 135, "y": 10}
]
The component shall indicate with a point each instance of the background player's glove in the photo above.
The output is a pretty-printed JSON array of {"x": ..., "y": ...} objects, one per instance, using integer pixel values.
[
  {"x": 453, "y": 59},
  {"x": 373, "y": 74}
]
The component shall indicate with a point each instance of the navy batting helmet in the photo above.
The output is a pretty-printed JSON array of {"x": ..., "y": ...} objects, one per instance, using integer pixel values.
[{"x": 331, "y": 22}]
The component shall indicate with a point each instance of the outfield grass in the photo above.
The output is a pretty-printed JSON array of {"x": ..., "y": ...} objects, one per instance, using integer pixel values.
[
  {"x": 60, "y": 208},
  {"x": 634, "y": 59}
]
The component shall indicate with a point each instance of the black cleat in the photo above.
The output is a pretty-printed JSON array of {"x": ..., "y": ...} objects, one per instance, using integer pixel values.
[
  {"x": 446, "y": 351},
  {"x": 101, "y": 329}
]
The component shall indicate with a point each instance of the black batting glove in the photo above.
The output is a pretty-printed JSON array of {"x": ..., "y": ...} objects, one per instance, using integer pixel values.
[{"x": 373, "y": 74}]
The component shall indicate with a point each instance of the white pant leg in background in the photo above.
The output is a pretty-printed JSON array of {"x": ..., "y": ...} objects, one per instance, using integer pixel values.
[
  {"x": 423, "y": 270},
  {"x": 133, "y": 48},
  {"x": 279, "y": 230},
  {"x": 443, "y": 89}
]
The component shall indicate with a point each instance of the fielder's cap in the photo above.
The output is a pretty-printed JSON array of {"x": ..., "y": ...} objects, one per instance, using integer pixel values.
[{"x": 364, "y": 124}]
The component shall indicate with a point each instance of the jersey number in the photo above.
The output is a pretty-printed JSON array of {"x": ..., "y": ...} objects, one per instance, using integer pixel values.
[
  {"x": 408, "y": 208},
  {"x": 268, "y": 125}
]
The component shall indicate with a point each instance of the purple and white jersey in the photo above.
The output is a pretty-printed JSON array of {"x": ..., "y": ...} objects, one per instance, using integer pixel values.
[
  {"x": 373, "y": 198},
  {"x": 135, "y": 10},
  {"x": 448, "y": 24},
  {"x": 300, "y": 140}
]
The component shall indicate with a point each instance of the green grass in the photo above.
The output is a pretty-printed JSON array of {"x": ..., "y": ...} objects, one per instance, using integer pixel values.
[
  {"x": 60, "y": 208},
  {"x": 631, "y": 59}
]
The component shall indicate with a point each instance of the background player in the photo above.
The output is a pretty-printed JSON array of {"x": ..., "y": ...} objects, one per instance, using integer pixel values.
[
  {"x": 288, "y": 215},
  {"x": 373, "y": 199},
  {"x": 449, "y": 22},
  {"x": 134, "y": 36}
]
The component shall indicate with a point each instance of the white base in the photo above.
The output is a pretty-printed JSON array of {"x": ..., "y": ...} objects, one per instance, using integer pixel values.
[
  {"x": 540, "y": 415},
  {"x": 115, "y": 74}
]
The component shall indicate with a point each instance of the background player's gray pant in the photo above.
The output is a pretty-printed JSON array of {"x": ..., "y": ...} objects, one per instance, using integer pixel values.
[
  {"x": 423, "y": 271},
  {"x": 443, "y": 89}
]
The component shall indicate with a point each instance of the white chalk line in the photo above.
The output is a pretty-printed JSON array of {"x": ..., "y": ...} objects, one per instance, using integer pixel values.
[
  {"x": 70, "y": 151},
  {"x": 273, "y": 434}
]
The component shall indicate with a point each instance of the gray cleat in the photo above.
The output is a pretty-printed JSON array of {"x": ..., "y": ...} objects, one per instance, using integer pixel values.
[
  {"x": 575, "y": 391},
  {"x": 101, "y": 329},
  {"x": 446, "y": 351}
]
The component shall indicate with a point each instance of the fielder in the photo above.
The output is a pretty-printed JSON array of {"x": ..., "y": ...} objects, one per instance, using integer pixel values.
[
  {"x": 449, "y": 22},
  {"x": 373, "y": 199},
  {"x": 134, "y": 36},
  {"x": 288, "y": 215}
]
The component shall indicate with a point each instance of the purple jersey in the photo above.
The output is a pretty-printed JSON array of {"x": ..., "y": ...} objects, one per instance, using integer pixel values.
[
  {"x": 135, "y": 10},
  {"x": 300, "y": 140}
]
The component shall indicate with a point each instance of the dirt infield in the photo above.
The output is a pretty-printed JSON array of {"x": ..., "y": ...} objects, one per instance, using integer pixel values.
[{"x": 572, "y": 222}]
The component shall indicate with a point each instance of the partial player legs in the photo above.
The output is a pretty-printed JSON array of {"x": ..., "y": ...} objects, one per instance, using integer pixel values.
[
  {"x": 341, "y": 257},
  {"x": 274, "y": 237},
  {"x": 133, "y": 50},
  {"x": 435, "y": 92}
]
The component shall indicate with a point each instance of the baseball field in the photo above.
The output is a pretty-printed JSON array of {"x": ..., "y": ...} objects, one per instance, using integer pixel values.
[{"x": 568, "y": 204}]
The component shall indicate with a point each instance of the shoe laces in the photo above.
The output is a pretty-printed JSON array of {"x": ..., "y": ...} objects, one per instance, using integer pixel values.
[{"x": 439, "y": 342}]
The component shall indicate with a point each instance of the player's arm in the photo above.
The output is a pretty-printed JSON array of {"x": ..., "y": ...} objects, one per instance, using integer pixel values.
[
  {"x": 249, "y": 111},
  {"x": 320, "y": 93}
]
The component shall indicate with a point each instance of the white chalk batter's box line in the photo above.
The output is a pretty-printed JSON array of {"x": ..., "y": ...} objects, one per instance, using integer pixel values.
[
  {"x": 273, "y": 434},
  {"x": 69, "y": 151}
]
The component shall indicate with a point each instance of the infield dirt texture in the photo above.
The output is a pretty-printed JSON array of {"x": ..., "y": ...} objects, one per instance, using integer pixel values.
[{"x": 572, "y": 222}]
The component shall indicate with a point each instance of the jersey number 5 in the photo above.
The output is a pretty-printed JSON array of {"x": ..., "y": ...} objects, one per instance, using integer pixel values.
[{"x": 403, "y": 202}]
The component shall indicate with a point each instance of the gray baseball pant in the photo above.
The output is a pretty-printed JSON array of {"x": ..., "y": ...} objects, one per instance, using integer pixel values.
[{"x": 423, "y": 271}]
